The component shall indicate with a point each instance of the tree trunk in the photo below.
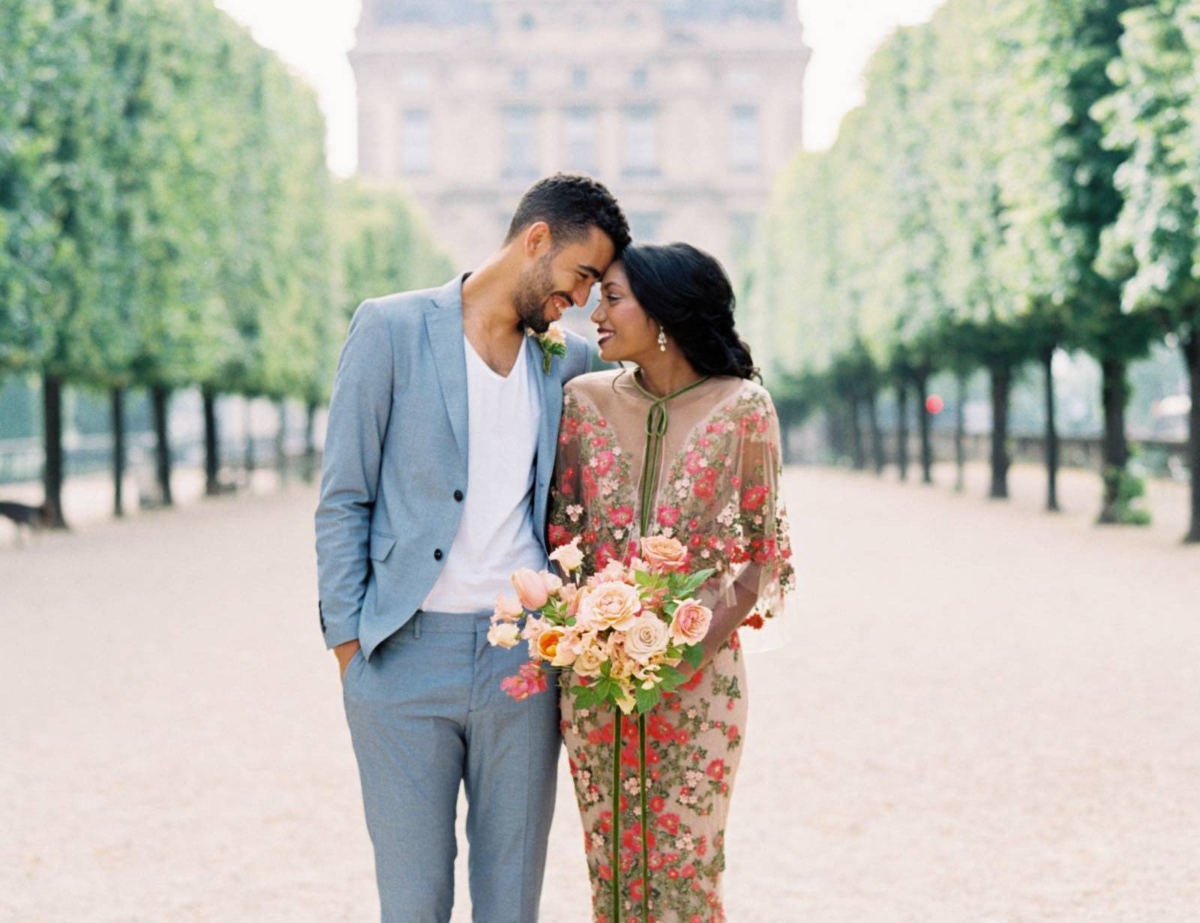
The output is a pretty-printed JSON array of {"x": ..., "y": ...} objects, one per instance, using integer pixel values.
[
  {"x": 281, "y": 442},
  {"x": 54, "y": 472},
  {"x": 856, "y": 436},
  {"x": 310, "y": 442},
  {"x": 1191, "y": 353},
  {"x": 212, "y": 446},
  {"x": 1115, "y": 391},
  {"x": 160, "y": 397},
  {"x": 960, "y": 436},
  {"x": 249, "y": 461},
  {"x": 1051, "y": 432},
  {"x": 1001, "y": 385},
  {"x": 902, "y": 428},
  {"x": 925, "y": 418},
  {"x": 118, "y": 451},
  {"x": 877, "y": 450}
]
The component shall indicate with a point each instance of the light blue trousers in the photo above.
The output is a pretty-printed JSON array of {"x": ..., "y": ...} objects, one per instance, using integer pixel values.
[{"x": 427, "y": 715}]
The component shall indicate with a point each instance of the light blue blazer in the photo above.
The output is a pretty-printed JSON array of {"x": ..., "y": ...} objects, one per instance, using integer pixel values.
[{"x": 394, "y": 476}]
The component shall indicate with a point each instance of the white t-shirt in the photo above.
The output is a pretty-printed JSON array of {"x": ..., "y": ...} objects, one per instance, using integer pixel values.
[{"x": 496, "y": 535}]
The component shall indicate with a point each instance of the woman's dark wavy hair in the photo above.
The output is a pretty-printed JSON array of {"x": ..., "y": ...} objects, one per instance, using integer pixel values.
[{"x": 689, "y": 294}]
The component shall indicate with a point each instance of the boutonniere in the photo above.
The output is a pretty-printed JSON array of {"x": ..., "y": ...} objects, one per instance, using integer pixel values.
[{"x": 552, "y": 343}]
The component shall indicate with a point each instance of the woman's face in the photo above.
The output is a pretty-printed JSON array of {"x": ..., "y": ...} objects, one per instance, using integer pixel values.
[{"x": 626, "y": 332}]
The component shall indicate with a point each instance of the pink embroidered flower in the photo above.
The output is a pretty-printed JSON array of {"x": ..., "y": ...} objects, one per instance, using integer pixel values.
[
  {"x": 668, "y": 516},
  {"x": 603, "y": 462},
  {"x": 693, "y": 463}
]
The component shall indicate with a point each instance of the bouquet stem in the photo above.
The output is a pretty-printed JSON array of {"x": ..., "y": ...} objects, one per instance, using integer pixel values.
[
  {"x": 616, "y": 817},
  {"x": 645, "y": 820}
]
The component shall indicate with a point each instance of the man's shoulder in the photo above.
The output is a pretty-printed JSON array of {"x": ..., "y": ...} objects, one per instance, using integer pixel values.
[{"x": 401, "y": 307}]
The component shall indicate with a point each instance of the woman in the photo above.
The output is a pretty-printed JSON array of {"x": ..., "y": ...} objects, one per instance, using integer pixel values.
[{"x": 683, "y": 445}]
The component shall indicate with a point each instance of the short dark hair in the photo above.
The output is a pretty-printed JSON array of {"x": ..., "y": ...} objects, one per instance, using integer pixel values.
[
  {"x": 687, "y": 291},
  {"x": 571, "y": 205}
]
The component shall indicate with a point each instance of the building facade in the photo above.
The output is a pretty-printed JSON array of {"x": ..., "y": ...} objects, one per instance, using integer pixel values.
[{"x": 686, "y": 109}]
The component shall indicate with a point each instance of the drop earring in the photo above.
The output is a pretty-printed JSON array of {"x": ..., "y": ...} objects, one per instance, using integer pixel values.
[{"x": 662, "y": 340}]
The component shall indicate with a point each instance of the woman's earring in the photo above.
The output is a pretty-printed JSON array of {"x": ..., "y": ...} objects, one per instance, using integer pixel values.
[{"x": 662, "y": 340}]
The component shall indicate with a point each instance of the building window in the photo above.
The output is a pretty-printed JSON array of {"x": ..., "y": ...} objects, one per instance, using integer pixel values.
[
  {"x": 519, "y": 79},
  {"x": 579, "y": 79},
  {"x": 743, "y": 78},
  {"x": 520, "y": 142},
  {"x": 414, "y": 78},
  {"x": 639, "y": 78},
  {"x": 641, "y": 155},
  {"x": 743, "y": 139},
  {"x": 581, "y": 140},
  {"x": 416, "y": 141},
  {"x": 645, "y": 227}
]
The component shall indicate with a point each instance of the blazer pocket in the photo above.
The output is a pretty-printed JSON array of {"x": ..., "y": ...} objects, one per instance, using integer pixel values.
[{"x": 380, "y": 546}]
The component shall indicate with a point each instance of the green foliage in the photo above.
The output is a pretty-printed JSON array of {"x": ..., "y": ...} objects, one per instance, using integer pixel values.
[
  {"x": 166, "y": 214},
  {"x": 1125, "y": 489}
]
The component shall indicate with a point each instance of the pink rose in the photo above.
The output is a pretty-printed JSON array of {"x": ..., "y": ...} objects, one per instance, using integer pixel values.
[
  {"x": 690, "y": 623},
  {"x": 664, "y": 554},
  {"x": 609, "y": 605},
  {"x": 531, "y": 588}
]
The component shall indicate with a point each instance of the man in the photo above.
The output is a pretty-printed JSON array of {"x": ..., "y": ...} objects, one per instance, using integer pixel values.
[{"x": 438, "y": 459}]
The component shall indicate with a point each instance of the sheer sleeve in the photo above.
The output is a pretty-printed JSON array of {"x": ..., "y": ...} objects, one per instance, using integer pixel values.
[{"x": 754, "y": 520}]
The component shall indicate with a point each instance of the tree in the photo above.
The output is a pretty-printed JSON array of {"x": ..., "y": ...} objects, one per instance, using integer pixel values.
[{"x": 1154, "y": 116}]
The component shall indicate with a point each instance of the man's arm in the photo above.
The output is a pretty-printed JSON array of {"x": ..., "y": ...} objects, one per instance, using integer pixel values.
[{"x": 359, "y": 411}]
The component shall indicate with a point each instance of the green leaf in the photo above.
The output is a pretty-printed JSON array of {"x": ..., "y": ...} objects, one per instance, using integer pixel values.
[
  {"x": 694, "y": 655},
  {"x": 646, "y": 698}
]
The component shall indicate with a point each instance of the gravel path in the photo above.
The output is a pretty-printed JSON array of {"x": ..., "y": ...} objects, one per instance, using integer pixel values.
[{"x": 984, "y": 714}]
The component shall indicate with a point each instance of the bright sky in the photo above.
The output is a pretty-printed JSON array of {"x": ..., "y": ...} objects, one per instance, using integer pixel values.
[{"x": 314, "y": 36}]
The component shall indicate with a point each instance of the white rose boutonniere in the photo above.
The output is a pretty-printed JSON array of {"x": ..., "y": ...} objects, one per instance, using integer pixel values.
[{"x": 553, "y": 343}]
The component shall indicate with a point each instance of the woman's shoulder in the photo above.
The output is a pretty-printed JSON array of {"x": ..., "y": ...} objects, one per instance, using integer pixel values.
[
  {"x": 592, "y": 383},
  {"x": 746, "y": 393}
]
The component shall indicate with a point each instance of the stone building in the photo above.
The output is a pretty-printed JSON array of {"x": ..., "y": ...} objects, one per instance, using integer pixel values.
[{"x": 686, "y": 109}]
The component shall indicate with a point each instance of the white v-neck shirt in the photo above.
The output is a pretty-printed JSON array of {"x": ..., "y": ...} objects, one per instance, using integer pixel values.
[{"x": 496, "y": 534}]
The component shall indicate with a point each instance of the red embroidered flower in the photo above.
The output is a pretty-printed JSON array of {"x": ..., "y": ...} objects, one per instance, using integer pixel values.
[
  {"x": 560, "y": 535},
  {"x": 604, "y": 554},
  {"x": 670, "y": 823},
  {"x": 620, "y": 516},
  {"x": 668, "y": 516},
  {"x": 755, "y": 621},
  {"x": 716, "y": 769},
  {"x": 754, "y": 497}
]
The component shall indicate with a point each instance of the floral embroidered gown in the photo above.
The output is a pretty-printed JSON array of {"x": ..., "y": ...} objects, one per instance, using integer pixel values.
[{"x": 718, "y": 492}]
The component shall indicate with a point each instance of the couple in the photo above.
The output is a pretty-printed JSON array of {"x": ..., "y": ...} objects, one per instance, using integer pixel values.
[{"x": 465, "y": 442}]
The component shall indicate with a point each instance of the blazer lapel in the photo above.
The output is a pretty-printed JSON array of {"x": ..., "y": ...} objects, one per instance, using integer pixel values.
[
  {"x": 551, "y": 392},
  {"x": 444, "y": 324}
]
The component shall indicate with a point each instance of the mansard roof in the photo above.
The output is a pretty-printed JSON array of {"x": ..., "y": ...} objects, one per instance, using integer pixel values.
[{"x": 476, "y": 12}]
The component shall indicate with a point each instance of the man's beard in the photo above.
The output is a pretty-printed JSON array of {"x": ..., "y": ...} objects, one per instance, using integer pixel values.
[{"x": 535, "y": 289}]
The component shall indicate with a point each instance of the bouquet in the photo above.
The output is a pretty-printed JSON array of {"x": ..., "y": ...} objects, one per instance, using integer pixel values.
[{"x": 622, "y": 633}]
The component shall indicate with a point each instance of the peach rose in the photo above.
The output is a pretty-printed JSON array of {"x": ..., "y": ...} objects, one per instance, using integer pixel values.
[
  {"x": 568, "y": 557},
  {"x": 556, "y": 335},
  {"x": 648, "y": 636},
  {"x": 504, "y": 634},
  {"x": 590, "y": 660},
  {"x": 507, "y": 609},
  {"x": 531, "y": 588},
  {"x": 690, "y": 623},
  {"x": 609, "y": 605},
  {"x": 664, "y": 554}
]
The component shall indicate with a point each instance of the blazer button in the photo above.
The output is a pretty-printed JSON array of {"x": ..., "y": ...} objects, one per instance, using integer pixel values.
[
  {"x": 458, "y": 495},
  {"x": 437, "y": 554}
]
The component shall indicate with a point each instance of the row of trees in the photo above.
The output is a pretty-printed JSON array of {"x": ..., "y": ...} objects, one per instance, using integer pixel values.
[
  {"x": 1023, "y": 177},
  {"x": 167, "y": 219}
]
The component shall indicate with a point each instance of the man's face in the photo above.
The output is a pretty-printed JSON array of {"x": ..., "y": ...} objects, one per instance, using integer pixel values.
[{"x": 561, "y": 277}]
